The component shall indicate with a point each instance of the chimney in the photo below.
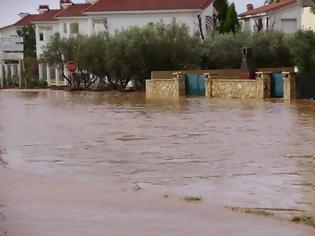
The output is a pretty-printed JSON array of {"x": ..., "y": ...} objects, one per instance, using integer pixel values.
[
  {"x": 43, "y": 8},
  {"x": 65, "y": 4},
  {"x": 23, "y": 15},
  {"x": 249, "y": 7}
]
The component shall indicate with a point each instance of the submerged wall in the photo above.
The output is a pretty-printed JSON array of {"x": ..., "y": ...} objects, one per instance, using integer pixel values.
[
  {"x": 160, "y": 88},
  {"x": 218, "y": 87}
]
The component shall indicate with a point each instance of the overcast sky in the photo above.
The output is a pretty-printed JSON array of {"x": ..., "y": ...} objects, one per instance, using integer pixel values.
[{"x": 10, "y": 8}]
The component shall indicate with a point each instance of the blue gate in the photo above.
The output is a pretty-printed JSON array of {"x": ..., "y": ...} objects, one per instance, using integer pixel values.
[
  {"x": 276, "y": 85},
  {"x": 195, "y": 85}
]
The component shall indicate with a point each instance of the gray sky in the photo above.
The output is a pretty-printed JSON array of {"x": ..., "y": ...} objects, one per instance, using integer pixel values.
[{"x": 10, "y": 8}]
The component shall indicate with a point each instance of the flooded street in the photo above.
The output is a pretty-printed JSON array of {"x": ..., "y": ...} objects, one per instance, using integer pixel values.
[{"x": 236, "y": 153}]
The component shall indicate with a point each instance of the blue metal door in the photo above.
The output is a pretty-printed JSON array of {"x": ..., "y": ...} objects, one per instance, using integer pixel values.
[
  {"x": 276, "y": 85},
  {"x": 195, "y": 85}
]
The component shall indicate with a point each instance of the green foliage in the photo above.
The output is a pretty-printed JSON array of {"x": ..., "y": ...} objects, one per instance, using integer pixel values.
[
  {"x": 231, "y": 24},
  {"x": 28, "y": 34},
  {"x": 270, "y": 49},
  {"x": 224, "y": 50},
  {"x": 302, "y": 47},
  {"x": 227, "y": 16},
  {"x": 134, "y": 53},
  {"x": 222, "y": 7}
]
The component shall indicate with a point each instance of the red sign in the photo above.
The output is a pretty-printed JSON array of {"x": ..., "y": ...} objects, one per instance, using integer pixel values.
[{"x": 72, "y": 66}]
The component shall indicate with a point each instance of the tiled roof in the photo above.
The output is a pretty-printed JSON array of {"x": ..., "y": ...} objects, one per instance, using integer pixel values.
[
  {"x": 47, "y": 16},
  {"x": 73, "y": 10},
  {"x": 22, "y": 22},
  {"x": 269, "y": 8},
  {"x": 146, "y": 5}
]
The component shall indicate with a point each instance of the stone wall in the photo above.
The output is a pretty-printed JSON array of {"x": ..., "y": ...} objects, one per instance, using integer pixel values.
[
  {"x": 166, "y": 88},
  {"x": 221, "y": 88},
  {"x": 236, "y": 88}
]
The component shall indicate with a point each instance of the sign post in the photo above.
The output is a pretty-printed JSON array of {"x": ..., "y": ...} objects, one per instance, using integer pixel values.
[{"x": 72, "y": 66}]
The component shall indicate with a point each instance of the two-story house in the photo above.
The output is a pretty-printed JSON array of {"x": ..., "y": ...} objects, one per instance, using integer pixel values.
[{"x": 98, "y": 16}]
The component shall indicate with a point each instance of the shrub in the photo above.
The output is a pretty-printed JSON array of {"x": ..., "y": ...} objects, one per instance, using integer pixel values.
[
  {"x": 270, "y": 49},
  {"x": 302, "y": 48},
  {"x": 222, "y": 51}
]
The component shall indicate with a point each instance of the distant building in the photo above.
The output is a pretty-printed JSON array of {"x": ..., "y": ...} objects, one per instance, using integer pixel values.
[{"x": 287, "y": 16}]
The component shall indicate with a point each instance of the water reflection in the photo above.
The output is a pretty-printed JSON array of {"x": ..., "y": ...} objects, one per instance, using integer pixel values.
[{"x": 233, "y": 152}]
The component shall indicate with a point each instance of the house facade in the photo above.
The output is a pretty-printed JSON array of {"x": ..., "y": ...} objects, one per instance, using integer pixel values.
[{"x": 287, "y": 16}]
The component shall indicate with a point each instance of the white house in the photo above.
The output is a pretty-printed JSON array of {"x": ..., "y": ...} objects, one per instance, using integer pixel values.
[
  {"x": 121, "y": 14},
  {"x": 287, "y": 16},
  {"x": 97, "y": 16},
  {"x": 94, "y": 17}
]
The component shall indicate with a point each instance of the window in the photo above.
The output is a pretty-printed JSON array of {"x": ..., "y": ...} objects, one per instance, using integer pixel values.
[
  {"x": 267, "y": 23},
  {"x": 289, "y": 25},
  {"x": 41, "y": 36},
  {"x": 74, "y": 28}
]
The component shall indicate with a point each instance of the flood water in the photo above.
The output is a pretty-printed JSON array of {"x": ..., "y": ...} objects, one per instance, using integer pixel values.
[{"x": 243, "y": 153}]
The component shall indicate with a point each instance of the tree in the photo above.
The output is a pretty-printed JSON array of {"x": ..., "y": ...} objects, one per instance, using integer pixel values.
[
  {"x": 59, "y": 52},
  {"x": 231, "y": 23},
  {"x": 28, "y": 34},
  {"x": 222, "y": 7},
  {"x": 135, "y": 52},
  {"x": 92, "y": 56}
]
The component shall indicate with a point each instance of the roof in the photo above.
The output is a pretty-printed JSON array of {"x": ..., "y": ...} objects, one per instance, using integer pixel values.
[
  {"x": 27, "y": 20},
  {"x": 73, "y": 10},
  {"x": 269, "y": 8},
  {"x": 47, "y": 16},
  {"x": 147, "y": 5}
]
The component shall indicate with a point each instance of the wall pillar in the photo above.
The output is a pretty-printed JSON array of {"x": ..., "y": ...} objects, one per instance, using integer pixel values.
[
  {"x": 12, "y": 70},
  {"x": 263, "y": 84},
  {"x": 289, "y": 86},
  {"x": 48, "y": 75},
  {"x": 178, "y": 77},
  {"x": 6, "y": 71},
  {"x": 57, "y": 76},
  {"x": 208, "y": 83},
  {"x": 19, "y": 73},
  {"x": 40, "y": 72},
  {"x": 1, "y": 75}
]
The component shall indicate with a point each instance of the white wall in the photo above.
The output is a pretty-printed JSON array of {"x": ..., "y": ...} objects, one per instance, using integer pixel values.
[
  {"x": 308, "y": 19},
  {"x": 66, "y": 22},
  {"x": 9, "y": 32},
  {"x": 124, "y": 20},
  {"x": 48, "y": 29}
]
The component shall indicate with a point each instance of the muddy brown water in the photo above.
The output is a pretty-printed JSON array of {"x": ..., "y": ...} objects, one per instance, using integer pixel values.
[{"x": 240, "y": 153}]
